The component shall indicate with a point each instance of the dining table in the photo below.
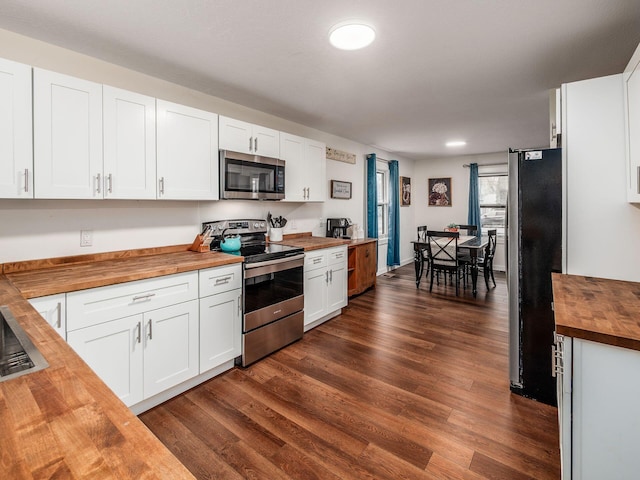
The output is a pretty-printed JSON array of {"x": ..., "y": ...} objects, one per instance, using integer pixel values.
[{"x": 469, "y": 243}]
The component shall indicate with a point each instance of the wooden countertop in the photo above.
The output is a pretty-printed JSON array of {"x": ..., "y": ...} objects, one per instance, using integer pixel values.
[
  {"x": 308, "y": 242},
  {"x": 63, "y": 421},
  {"x": 597, "y": 309},
  {"x": 58, "y": 277}
]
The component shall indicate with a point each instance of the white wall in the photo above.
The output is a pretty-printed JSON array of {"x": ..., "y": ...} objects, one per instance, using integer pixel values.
[
  {"x": 437, "y": 218},
  {"x": 32, "y": 229},
  {"x": 602, "y": 229}
]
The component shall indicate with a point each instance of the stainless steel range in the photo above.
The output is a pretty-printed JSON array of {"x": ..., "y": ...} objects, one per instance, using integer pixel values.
[{"x": 273, "y": 305}]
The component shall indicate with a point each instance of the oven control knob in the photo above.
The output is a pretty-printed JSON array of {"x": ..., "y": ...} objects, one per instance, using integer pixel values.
[
  {"x": 256, "y": 225},
  {"x": 262, "y": 224},
  {"x": 220, "y": 227}
]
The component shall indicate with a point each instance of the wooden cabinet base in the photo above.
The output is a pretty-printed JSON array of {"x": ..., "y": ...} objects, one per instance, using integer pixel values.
[{"x": 362, "y": 265}]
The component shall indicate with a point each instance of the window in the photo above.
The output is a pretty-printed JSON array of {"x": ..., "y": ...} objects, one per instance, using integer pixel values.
[
  {"x": 382, "y": 175},
  {"x": 493, "y": 191}
]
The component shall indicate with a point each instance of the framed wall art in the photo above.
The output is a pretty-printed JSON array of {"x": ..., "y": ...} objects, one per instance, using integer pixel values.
[
  {"x": 405, "y": 191},
  {"x": 340, "y": 189},
  {"x": 439, "y": 192}
]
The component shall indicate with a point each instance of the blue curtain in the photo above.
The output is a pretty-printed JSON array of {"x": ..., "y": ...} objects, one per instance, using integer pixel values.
[
  {"x": 393, "y": 247},
  {"x": 372, "y": 197},
  {"x": 474, "y": 198}
]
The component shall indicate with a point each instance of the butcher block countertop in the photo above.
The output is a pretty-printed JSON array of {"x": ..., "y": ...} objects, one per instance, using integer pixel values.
[
  {"x": 308, "y": 242},
  {"x": 63, "y": 421},
  {"x": 47, "y": 277},
  {"x": 597, "y": 309}
]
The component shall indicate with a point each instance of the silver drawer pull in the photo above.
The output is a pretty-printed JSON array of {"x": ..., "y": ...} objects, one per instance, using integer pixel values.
[
  {"x": 220, "y": 281},
  {"x": 26, "y": 179},
  {"x": 144, "y": 297},
  {"x": 59, "y": 308},
  {"x": 317, "y": 260},
  {"x": 150, "y": 330}
]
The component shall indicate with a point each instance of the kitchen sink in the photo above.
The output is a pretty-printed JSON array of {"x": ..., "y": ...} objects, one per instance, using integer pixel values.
[{"x": 18, "y": 355}]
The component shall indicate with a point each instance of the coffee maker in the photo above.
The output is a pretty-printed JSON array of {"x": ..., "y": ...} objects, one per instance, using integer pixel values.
[{"x": 337, "y": 227}]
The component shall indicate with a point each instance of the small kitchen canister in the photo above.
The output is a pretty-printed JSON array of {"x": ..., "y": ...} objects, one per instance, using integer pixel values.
[{"x": 275, "y": 234}]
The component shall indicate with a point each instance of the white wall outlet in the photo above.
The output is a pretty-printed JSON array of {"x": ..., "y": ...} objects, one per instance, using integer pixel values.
[
  {"x": 321, "y": 222},
  {"x": 86, "y": 238}
]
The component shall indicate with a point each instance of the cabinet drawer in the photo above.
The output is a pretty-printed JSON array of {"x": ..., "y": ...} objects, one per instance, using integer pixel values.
[
  {"x": 337, "y": 255},
  {"x": 315, "y": 259},
  {"x": 220, "y": 279},
  {"x": 97, "y": 305}
]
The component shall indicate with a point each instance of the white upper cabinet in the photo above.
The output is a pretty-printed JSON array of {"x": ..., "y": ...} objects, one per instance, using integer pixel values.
[
  {"x": 239, "y": 136},
  {"x": 631, "y": 78},
  {"x": 67, "y": 128},
  {"x": 187, "y": 152},
  {"x": 305, "y": 168},
  {"x": 16, "y": 150},
  {"x": 129, "y": 144}
]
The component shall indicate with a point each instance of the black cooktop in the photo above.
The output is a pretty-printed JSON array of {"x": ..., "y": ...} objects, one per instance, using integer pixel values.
[{"x": 254, "y": 247}]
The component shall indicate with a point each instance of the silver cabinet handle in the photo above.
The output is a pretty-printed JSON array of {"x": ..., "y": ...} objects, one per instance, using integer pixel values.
[
  {"x": 331, "y": 276},
  {"x": 317, "y": 260},
  {"x": 638, "y": 179},
  {"x": 308, "y": 193},
  {"x": 26, "y": 179},
  {"x": 150, "y": 329},
  {"x": 222, "y": 281},
  {"x": 255, "y": 144},
  {"x": 326, "y": 276},
  {"x": 59, "y": 322},
  {"x": 240, "y": 305},
  {"x": 139, "y": 334},
  {"x": 143, "y": 297},
  {"x": 98, "y": 180},
  {"x": 161, "y": 185},
  {"x": 110, "y": 182},
  {"x": 250, "y": 143}
]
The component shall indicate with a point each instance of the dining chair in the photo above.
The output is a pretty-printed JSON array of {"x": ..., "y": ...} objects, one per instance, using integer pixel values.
[
  {"x": 422, "y": 237},
  {"x": 464, "y": 256},
  {"x": 442, "y": 248},
  {"x": 471, "y": 229},
  {"x": 486, "y": 262}
]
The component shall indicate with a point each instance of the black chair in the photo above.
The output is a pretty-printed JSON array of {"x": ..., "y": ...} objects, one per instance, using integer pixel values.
[
  {"x": 422, "y": 237},
  {"x": 442, "y": 248},
  {"x": 471, "y": 229},
  {"x": 486, "y": 262}
]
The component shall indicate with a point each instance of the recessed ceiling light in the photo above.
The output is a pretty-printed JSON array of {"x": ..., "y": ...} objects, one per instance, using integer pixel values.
[
  {"x": 456, "y": 143},
  {"x": 351, "y": 36}
]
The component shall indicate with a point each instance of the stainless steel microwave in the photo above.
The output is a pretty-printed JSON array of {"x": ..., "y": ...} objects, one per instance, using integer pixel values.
[{"x": 250, "y": 177}]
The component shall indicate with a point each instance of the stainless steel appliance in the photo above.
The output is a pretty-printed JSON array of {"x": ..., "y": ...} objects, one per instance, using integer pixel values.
[
  {"x": 534, "y": 251},
  {"x": 273, "y": 288},
  {"x": 337, "y": 227},
  {"x": 251, "y": 177}
]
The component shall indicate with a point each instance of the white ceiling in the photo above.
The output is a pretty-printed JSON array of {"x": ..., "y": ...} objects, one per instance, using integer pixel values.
[{"x": 439, "y": 70}]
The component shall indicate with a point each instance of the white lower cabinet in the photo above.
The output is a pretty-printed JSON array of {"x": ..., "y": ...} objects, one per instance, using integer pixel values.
[
  {"x": 220, "y": 329},
  {"x": 142, "y": 355},
  {"x": 53, "y": 309},
  {"x": 599, "y": 411},
  {"x": 325, "y": 284},
  {"x": 114, "y": 351}
]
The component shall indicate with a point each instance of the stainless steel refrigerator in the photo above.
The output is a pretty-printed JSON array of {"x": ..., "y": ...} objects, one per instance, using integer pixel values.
[{"x": 534, "y": 239}]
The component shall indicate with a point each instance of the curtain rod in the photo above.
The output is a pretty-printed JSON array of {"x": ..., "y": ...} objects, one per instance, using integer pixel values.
[
  {"x": 466, "y": 165},
  {"x": 378, "y": 159}
]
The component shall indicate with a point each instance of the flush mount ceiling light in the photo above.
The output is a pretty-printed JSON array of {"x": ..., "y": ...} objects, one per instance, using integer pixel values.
[
  {"x": 456, "y": 143},
  {"x": 351, "y": 36}
]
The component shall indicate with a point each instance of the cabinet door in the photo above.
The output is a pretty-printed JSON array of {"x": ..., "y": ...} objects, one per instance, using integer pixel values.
[
  {"x": 315, "y": 294},
  {"x": 315, "y": 167},
  {"x": 129, "y": 144},
  {"x": 187, "y": 152},
  {"x": 337, "y": 287},
  {"x": 633, "y": 134},
  {"x": 220, "y": 329},
  {"x": 171, "y": 346},
  {"x": 114, "y": 351},
  {"x": 16, "y": 146},
  {"x": 366, "y": 264},
  {"x": 67, "y": 128},
  {"x": 292, "y": 152},
  {"x": 235, "y": 135},
  {"x": 266, "y": 141},
  {"x": 53, "y": 309}
]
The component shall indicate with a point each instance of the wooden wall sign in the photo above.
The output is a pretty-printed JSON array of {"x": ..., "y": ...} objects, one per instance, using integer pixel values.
[{"x": 341, "y": 156}]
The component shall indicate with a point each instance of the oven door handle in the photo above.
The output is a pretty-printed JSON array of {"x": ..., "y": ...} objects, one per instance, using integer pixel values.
[{"x": 271, "y": 266}]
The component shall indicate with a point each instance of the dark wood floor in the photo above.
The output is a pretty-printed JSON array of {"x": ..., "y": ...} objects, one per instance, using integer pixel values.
[{"x": 404, "y": 384}]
